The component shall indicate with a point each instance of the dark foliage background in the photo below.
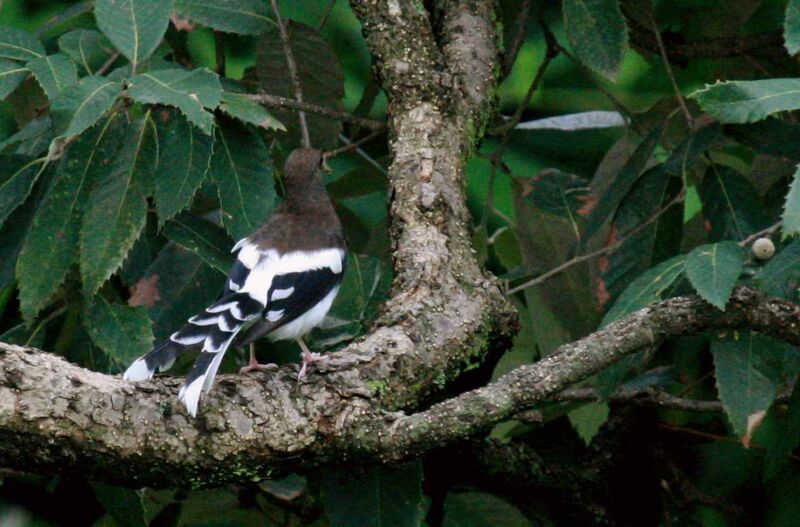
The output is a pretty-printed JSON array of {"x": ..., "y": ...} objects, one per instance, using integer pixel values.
[{"x": 134, "y": 153}]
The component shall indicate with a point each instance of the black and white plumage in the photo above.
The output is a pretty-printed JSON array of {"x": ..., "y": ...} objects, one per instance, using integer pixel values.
[{"x": 282, "y": 284}]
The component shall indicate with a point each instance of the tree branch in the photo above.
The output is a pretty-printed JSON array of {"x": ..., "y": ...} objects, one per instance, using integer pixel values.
[{"x": 276, "y": 101}]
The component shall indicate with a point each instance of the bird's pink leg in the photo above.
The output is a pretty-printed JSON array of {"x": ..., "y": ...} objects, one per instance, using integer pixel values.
[
  {"x": 309, "y": 357},
  {"x": 253, "y": 365}
]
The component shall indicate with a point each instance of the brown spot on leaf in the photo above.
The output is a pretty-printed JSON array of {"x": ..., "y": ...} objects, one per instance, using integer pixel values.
[
  {"x": 603, "y": 264},
  {"x": 589, "y": 201},
  {"x": 602, "y": 294},
  {"x": 145, "y": 292},
  {"x": 164, "y": 116},
  {"x": 707, "y": 225}
]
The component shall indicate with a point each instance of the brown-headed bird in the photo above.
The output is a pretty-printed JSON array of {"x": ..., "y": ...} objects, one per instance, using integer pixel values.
[{"x": 282, "y": 284}]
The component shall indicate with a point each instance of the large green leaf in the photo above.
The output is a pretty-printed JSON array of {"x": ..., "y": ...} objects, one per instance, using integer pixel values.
[
  {"x": 208, "y": 240},
  {"x": 791, "y": 27},
  {"x": 598, "y": 34},
  {"x": 732, "y": 208},
  {"x": 18, "y": 44},
  {"x": 242, "y": 169},
  {"x": 83, "y": 104},
  {"x": 41, "y": 270},
  {"x": 54, "y": 73},
  {"x": 622, "y": 184},
  {"x": 748, "y": 101},
  {"x": 87, "y": 47},
  {"x": 184, "y": 162},
  {"x": 321, "y": 80},
  {"x": 246, "y": 17},
  {"x": 189, "y": 91},
  {"x": 378, "y": 497},
  {"x": 780, "y": 434},
  {"x": 118, "y": 206},
  {"x": 781, "y": 276},
  {"x": 749, "y": 369},
  {"x": 478, "y": 509},
  {"x": 562, "y": 194},
  {"x": 791, "y": 209},
  {"x": 713, "y": 270},
  {"x": 122, "y": 331},
  {"x": 11, "y": 76},
  {"x": 185, "y": 285},
  {"x": 646, "y": 289},
  {"x": 17, "y": 176},
  {"x": 239, "y": 106},
  {"x": 688, "y": 152},
  {"x": 770, "y": 136},
  {"x": 135, "y": 27}
]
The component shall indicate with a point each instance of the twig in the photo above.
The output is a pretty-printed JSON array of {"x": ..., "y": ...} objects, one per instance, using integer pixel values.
[
  {"x": 759, "y": 234},
  {"x": 360, "y": 151},
  {"x": 670, "y": 73},
  {"x": 648, "y": 395},
  {"x": 354, "y": 145},
  {"x": 277, "y": 101},
  {"x": 108, "y": 63},
  {"x": 326, "y": 15},
  {"x": 607, "y": 249},
  {"x": 298, "y": 91},
  {"x": 219, "y": 50}
]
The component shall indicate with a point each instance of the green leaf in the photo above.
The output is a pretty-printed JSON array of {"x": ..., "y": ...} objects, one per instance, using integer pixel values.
[
  {"x": 780, "y": 434},
  {"x": 562, "y": 194},
  {"x": 748, "y": 101},
  {"x": 18, "y": 44},
  {"x": 83, "y": 104},
  {"x": 357, "y": 182},
  {"x": 713, "y": 270},
  {"x": 732, "y": 209},
  {"x": 189, "y": 91},
  {"x": 791, "y": 209},
  {"x": 123, "y": 332},
  {"x": 17, "y": 176},
  {"x": 34, "y": 136},
  {"x": 478, "y": 509},
  {"x": 185, "y": 285},
  {"x": 239, "y": 106},
  {"x": 770, "y": 136},
  {"x": 365, "y": 286},
  {"x": 749, "y": 369},
  {"x": 588, "y": 418},
  {"x": 627, "y": 177},
  {"x": 688, "y": 152},
  {"x": 781, "y": 276},
  {"x": 117, "y": 207},
  {"x": 11, "y": 76},
  {"x": 242, "y": 169},
  {"x": 646, "y": 289},
  {"x": 54, "y": 73},
  {"x": 246, "y": 17},
  {"x": 597, "y": 32},
  {"x": 87, "y": 47},
  {"x": 321, "y": 80},
  {"x": 208, "y": 241},
  {"x": 380, "y": 496},
  {"x": 41, "y": 270},
  {"x": 791, "y": 27},
  {"x": 184, "y": 162},
  {"x": 125, "y": 506},
  {"x": 135, "y": 27}
]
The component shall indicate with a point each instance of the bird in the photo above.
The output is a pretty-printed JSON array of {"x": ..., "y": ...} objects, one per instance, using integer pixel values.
[{"x": 281, "y": 285}]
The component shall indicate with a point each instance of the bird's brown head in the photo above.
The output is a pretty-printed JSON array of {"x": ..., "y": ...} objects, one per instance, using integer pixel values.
[{"x": 302, "y": 171}]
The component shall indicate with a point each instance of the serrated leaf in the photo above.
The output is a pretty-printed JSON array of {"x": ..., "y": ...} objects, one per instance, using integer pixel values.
[
  {"x": 732, "y": 209},
  {"x": 379, "y": 496},
  {"x": 17, "y": 176},
  {"x": 587, "y": 419},
  {"x": 780, "y": 434},
  {"x": 748, "y": 101},
  {"x": 35, "y": 132},
  {"x": 321, "y": 80},
  {"x": 18, "y": 44},
  {"x": 185, "y": 161},
  {"x": 83, "y": 104},
  {"x": 11, "y": 76},
  {"x": 122, "y": 331},
  {"x": 135, "y": 27},
  {"x": 791, "y": 27},
  {"x": 624, "y": 181},
  {"x": 713, "y": 270},
  {"x": 202, "y": 237},
  {"x": 646, "y": 289},
  {"x": 781, "y": 276},
  {"x": 239, "y": 106},
  {"x": 791, "y": 209},
  {"x": 87, "y": 47},
  {"x": 598, "y": 34},
  {"x": 749, "y": 368},
  {"x": 41, "y": 270},
  {"x": 186, "y": 285},
  {"x": 54, "y": 73},
  {"x": 245, "y": 17},
  {"x": 189, "y": 91},
  {"x": 242, "y": 169},
  {"x": 118, "y": 206}
]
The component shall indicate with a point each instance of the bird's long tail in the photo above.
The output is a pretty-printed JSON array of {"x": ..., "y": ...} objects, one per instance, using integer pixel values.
[{"x": 214, "y": 328}]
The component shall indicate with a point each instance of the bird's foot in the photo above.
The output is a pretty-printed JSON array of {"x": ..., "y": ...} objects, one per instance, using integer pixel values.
[
  {"x": 308, "y": 358},
  {"x": 254, "y": 365}
]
